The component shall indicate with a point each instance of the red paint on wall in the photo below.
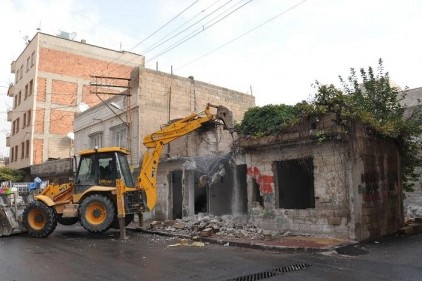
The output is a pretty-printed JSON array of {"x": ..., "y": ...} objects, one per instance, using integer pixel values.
[{"x": 265, "y": 182}]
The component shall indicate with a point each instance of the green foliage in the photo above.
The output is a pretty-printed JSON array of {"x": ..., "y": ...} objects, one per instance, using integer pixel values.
[
  {"x": 268, "y": 119},
  {"x": 370, "y": 99},
  {"x": 8, "y": 174},
  {"x": 378, "y": 105}
]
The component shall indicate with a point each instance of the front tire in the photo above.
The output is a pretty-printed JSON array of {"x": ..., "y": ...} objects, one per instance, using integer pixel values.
[
  {"x": 39, "y": 219},
  {"x": 96, "y": 213}
]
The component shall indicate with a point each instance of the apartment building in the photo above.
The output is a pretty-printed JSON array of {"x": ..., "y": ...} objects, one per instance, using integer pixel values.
[{"x": 53, "y": 77}]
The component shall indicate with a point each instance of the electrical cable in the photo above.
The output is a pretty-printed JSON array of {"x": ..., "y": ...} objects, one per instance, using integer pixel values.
[
  {"x": 204, "y": 28},
  {"x": 243, "y": 34},
  {"x": 152, "y": 34}
]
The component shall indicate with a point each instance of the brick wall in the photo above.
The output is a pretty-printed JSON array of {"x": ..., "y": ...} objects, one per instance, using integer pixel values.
[{"x": 60, "y": 71}]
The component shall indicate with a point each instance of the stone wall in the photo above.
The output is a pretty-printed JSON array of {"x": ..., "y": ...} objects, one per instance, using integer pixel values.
[
  {"x": 356, "y": 189},
  {"x": 376, "y": 195}
]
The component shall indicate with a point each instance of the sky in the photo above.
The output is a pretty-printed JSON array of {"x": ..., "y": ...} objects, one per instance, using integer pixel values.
[{"x": 272, "y": 49}]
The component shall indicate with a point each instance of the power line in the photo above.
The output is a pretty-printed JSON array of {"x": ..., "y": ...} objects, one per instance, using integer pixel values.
[
  {"x": 174, "y": 30},
  {"x": 202, "y": 29},
  {"x": 152, "y": 34},
  {"x": 190, "y": 37},
  {"x": 243, "y": 34},
  {"x": 157, "y": 45}
]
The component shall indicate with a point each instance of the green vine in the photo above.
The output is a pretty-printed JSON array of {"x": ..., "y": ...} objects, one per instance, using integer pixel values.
[{"x": 370, "y": 99}]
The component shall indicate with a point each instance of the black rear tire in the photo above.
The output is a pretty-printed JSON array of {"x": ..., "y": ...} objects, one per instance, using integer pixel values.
[
  {"x": 96, "y": 213},
  {"x": 39, "y": 219}
]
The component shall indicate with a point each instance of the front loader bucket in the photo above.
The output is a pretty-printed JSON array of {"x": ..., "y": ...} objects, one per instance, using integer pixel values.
[{"x": 8, "y": 223}]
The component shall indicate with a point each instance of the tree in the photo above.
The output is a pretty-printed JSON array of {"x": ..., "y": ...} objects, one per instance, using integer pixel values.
[{"x": 8, "y": 174}]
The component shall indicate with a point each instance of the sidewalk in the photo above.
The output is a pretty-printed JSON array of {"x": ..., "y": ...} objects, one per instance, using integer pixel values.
[{"x": 285, "y": 243}]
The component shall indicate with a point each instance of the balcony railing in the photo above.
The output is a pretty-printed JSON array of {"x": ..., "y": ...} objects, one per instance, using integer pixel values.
[
  {"x": 11, "y": 91},
  {"x": 9, "y": 116},
  {"x": 13, "y": 67}
]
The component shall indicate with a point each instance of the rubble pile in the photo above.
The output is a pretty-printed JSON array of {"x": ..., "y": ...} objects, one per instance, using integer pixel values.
[{"x": 205, "y": 225}]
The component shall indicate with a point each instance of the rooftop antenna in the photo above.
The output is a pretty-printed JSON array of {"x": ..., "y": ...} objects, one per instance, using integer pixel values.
[{"x": 39, "y": 27}]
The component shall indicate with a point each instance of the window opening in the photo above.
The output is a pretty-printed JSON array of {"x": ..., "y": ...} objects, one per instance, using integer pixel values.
[{"x": 295, "y": 183}]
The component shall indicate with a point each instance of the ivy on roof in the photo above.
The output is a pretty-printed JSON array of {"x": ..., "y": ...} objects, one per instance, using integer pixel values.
[{"x": 370, "y": 99}]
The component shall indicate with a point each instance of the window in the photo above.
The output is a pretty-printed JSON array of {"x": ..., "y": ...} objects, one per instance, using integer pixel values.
[
  {"x": 21, "y": 72},
  {"x": 16, "y": 153},
  {"x": 24, "y": 121},
  {"x": 28, "y": 115},
  {"x": 33, "y": 59},
  {"x": 12, "y": 154},
  {"x": 17, "y": 126},
  {"x": 17, "y": 76},
  {"x": 28, "y": 61},
  {"x": 22, "y": 150},
  {"x": 15, "y": 102},
  {"x": 19, "y": 97},
  {"x": 119, "y": 135},
  {"x": 295, "y": 184},
  {"x": 96, "y": 140},
  {"x": 31, "y": 87},
  {"x": 27, "y": 149},
  {"x": 26, "y": 91},
  {"x": 13, "y": 129}
]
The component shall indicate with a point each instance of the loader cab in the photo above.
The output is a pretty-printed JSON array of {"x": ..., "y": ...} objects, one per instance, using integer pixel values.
[{"x": 102, "y": 167}]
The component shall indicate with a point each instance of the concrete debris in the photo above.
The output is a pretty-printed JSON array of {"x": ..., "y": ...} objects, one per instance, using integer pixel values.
[{"x": 206, "y": 225}]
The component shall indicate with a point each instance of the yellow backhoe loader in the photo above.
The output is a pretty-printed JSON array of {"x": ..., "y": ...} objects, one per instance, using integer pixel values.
[{"x": 103, "y": 194}]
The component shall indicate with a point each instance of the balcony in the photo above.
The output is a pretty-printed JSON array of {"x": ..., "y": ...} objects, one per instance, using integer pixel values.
[
  {"x": 11, "y": 91},
  {"x": 9, "y": 116},
  {"x": 8, "y": 141},
  {"x": 13, "y": 67}
]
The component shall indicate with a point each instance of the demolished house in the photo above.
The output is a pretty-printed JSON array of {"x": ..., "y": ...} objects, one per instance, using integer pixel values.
[
  {"x": 320, "y": 177},
  {"x": 325, "y": 178}
]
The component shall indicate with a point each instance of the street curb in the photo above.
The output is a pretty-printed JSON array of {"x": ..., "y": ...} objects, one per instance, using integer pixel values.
[{"x": 223, "y": 242}]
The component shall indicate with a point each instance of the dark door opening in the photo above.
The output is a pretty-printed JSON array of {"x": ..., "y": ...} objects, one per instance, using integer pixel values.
[
  {"x": 200, "y": 195},
  {"x": 295, "y": 183},
  {"x": 240, "y": 191},
  {"x": 177, "y": 194},
  {"x": 256, "y": 194}
]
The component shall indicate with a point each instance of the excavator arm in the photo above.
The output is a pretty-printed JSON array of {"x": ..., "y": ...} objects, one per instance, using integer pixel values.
[{"x": 147, "y": 180}]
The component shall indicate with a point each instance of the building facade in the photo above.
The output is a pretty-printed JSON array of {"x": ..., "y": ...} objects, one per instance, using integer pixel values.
[
  {"x": 52, "y": 77},
  {"x": 157, "y": 98}
]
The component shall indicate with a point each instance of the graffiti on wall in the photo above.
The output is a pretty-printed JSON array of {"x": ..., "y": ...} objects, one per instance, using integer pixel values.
[
  {"x": 375, "y": 189},
  {"x": 265, "y": 182}
]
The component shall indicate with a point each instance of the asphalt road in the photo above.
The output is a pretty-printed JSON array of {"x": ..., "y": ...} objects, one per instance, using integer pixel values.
[{"x": 71, "y": 253}]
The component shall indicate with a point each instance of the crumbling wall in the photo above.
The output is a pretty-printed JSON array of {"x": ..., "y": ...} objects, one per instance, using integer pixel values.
[
  {"x": 330, "y": 214},
  {"x": 356, "y": 183},
  {"x": 376, "y": 189}
]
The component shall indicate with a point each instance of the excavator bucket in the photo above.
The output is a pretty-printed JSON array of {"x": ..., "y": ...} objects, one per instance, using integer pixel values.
[{"x": 226, "y": 116}]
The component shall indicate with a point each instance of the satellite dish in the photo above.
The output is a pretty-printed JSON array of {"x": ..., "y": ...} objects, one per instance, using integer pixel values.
[
  {"x": 83, "y": 107},
  {"x": 71, "y": 135}
]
